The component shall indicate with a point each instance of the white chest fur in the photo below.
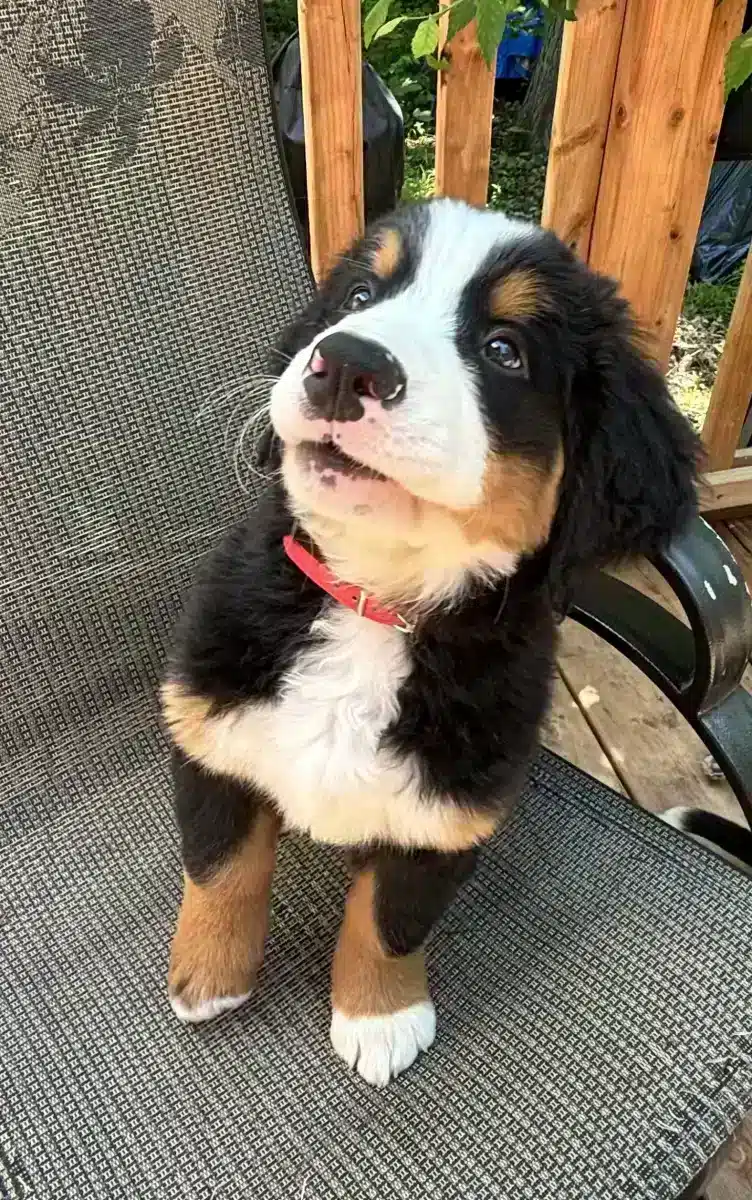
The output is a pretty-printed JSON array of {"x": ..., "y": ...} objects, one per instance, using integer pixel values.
[
  {"x": 316, "y": 750},
  {"x": 325, "y": 766}
]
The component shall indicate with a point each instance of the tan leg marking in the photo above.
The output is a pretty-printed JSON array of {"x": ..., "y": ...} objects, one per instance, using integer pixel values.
[
  {"x": 187, "y": 718},
  {"x": 382, "y": 1015},
  {"x": 366, "y": 980},
  {"x": 218, "y": 945}
]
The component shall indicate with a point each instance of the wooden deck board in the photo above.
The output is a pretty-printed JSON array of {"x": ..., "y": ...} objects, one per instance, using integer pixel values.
[
  {"x": 568, "y": 733},
  {"x": 741, "y": 533},
  {"x": 734, "y": 1178},
  {"x": 658, "y": 757}
]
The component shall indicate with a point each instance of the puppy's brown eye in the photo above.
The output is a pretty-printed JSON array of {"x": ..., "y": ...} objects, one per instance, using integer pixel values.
[
  {"x": 504, "y": 352},
  {"x": 359, "y": 297}
]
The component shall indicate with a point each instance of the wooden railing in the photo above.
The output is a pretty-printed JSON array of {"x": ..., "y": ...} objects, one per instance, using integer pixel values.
[
  {"x": 730, "y": 398},
  {"x": 637, "y": 116}
]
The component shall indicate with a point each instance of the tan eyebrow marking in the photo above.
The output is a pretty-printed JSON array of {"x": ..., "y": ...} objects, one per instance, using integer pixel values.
[
  {"x": 518, "y": 294},
  {"x": 388, "y": 253}
]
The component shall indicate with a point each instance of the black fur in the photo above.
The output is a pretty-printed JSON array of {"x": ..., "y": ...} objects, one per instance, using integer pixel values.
[
  {"x": 413, "y": 889},
  {"x": 249, "y": 613},
  {"x": 215, "y": 815},
  {"x": 734, "y": 841}
]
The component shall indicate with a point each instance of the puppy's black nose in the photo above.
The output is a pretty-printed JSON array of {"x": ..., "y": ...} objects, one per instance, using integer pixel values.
[{"x": 344, "y": 369}]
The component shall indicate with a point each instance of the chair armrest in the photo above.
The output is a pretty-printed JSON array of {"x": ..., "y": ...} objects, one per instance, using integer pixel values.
[
  {"x": 698, "y": 668},
  {"x": 711, "y": 589}
]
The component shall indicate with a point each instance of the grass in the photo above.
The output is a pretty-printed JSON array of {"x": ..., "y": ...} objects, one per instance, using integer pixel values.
[
  {"x": 420, "y": 176},
  {"x": 712, "y": 301}
]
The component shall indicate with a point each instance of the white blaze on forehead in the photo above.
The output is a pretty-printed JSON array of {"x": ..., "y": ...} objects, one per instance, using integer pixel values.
[
  {"x": 442, "y": 419},
  {"x": 458, "y": 242}
]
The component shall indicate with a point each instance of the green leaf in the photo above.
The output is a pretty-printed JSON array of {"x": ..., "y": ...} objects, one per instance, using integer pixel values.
[
  {"x": 375, "y": 19},
  {"x": 388, "y": 26},
  {"x": 491, "y": 16},
  {"x": 426, "y": 37},
  {"x": 739, "y": 61},
  {"x": 460, "y": 15},
  {"x": 438, "y": 64},
  {"x": 566, "y": 9}
]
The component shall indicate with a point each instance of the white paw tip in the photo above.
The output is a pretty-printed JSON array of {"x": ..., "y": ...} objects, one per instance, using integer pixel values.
[
  {"x": 380, "y": 1048},
  {"x": 207, "y": 1009}
]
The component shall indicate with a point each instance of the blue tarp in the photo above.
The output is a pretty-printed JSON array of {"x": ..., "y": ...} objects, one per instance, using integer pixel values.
[{"x": 520, "y": 45}]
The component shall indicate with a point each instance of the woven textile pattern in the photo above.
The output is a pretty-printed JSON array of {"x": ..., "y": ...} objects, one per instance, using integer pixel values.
[
  {"x": 593, "y": 979},
  {"x": 147, "y": 256}
]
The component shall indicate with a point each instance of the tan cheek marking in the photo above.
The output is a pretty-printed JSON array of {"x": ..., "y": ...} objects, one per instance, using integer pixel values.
[
  {"x": 219, "y": 940},
  {"x": 387, "y": 255},
  {"x": 518, "y": 294},
  {"x": 518, "y": 506},
  {"x": 366, "y": 981}
]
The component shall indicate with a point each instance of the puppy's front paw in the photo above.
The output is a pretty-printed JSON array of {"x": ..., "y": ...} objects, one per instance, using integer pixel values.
[
  {"x": 206, "y": 980},
  {"x": 192, "y": 1009},
  {"x": 380, "y": 1048}
]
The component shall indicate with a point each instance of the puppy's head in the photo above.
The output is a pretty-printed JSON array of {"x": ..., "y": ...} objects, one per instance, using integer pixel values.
[{"x": 463, "y": 392}]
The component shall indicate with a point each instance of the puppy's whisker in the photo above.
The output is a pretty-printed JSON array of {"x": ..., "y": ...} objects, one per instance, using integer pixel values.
[
  {"x": 241, "y": 457},
  {"x": 248, "y": 424},
  {"x": 250, "y": 387},
  {"x": 229, "y": 423}
]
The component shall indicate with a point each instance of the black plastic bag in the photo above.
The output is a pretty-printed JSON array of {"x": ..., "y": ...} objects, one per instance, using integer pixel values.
[
  {"x": 383, "y": 134},
  {"x": 725, "y": 232}
]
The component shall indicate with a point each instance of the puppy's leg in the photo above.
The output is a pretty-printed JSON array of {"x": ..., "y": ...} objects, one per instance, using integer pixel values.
[
  {"x": 382, "y": 1013},
  {"x": 229, "y": 843}
]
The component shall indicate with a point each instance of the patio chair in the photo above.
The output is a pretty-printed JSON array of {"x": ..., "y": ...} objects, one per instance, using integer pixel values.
[{"x": 594, "y": 978}]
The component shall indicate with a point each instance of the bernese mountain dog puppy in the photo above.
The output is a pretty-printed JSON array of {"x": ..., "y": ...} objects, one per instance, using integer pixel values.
[{"x": 464, "y": 417}]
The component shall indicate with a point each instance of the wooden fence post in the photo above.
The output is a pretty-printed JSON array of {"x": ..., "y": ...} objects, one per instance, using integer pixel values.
[
  {"x": 464, "y": 111},
  {"x": 705, "y": 125},
  {"x": 637, "y": 236},
  {"x": 587, "y": 73},
  {"x": 333, "y": 113},
  {"x": 730, "y": 398}
]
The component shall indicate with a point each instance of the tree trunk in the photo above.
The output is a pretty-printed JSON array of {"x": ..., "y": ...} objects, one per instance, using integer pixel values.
[{"x": 538, "y": 105}]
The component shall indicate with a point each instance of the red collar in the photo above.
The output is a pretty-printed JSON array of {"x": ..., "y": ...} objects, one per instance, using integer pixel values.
[{"x": 349, "y": 594}]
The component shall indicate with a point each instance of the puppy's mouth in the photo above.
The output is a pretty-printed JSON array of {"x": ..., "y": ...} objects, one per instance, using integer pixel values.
[{"x": 326, "y": 457}]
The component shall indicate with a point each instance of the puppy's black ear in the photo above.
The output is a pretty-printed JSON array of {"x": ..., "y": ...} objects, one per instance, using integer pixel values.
[{"x": 631, "y": 457}]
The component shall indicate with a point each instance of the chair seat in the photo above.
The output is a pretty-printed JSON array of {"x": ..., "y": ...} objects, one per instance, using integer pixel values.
[{"x": 592, "y": 987}]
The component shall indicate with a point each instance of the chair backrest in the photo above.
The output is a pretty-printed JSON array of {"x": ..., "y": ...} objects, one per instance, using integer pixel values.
[{"x": 148, "y": 254}]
